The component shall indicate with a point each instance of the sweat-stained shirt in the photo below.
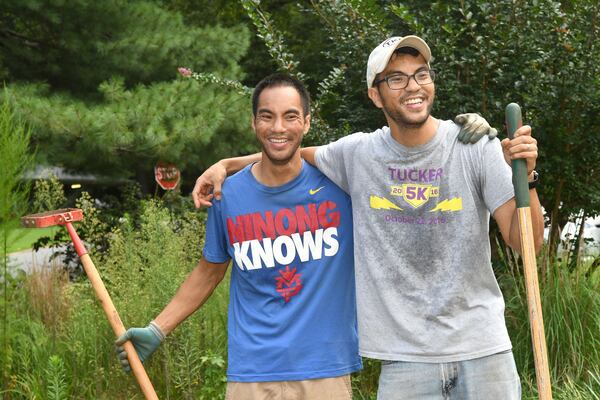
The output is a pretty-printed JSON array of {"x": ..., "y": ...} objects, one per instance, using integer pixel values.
[{"x": 426, "y": 291}]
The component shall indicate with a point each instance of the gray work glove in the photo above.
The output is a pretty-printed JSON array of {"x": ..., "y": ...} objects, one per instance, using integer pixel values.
[
  {"x": 145, "y": 340},
  {"x": 473, "y": 128}
]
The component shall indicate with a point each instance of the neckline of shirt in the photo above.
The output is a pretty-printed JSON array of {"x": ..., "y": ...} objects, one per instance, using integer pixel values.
[
  {"x": 401, "y": 149},
  {"x": 276, "y": 189}
]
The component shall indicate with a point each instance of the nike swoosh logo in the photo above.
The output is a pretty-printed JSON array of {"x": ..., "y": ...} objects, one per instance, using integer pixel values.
[{"x": 314, "y": 191}]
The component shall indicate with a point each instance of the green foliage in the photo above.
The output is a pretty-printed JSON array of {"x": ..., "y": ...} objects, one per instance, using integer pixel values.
[
  {"x": 15, "y": 159},
  {"x": 571, "y": 310},
  {"x": 104, "y": 100},
  {"x": 56, "y": 378},
  {"x": 119, "y": 113},
  {"x": 131, "y": 130},
  {"x": 272, "y": 38},
  {"x": 137, "y": 40},
  {"x": 48, "y": 194},
  {"x": 95, "y": 229},
  {"x": 59, "y": 342},
  {"x": 24, "y": 238},
  {"x": 67, "y": 349},
  {"x": 92, "y": 228}
]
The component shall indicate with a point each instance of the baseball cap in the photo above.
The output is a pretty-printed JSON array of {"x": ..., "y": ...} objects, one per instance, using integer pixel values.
[{"x": 380, "y": 56}]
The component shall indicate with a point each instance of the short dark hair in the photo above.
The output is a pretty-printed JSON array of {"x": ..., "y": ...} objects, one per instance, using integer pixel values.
[
  {"x": 278, "y": 80},
  {"x": 407, "y": 50}
]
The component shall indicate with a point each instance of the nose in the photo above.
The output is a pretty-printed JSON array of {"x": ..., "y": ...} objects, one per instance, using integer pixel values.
[
  {"x": 278, "y": 126},
  {"x": 412, "y": 84}
]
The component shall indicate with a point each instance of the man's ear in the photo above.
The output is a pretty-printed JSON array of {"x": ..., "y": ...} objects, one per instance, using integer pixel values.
[
  {"x": 306, "y": 124},
  {"x": 253, "y": 124},
  {"x": 375, "y": 97}
]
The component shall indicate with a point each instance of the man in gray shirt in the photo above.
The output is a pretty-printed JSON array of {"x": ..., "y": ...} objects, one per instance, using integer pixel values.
[{"x": 428, "y": 303}]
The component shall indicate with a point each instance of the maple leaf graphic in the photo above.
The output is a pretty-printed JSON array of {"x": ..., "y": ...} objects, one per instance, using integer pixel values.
[{"x": 289, "y": 283}]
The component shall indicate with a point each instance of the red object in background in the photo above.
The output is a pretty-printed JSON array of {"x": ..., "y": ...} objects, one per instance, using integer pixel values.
[{"x": 167, "y": 176}]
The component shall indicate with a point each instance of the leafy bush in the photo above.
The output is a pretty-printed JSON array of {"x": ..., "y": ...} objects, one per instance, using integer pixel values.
[
  {"x": 15, "y": 159},
  {"x": 48, "y": 194},
  {"x": 61, "y": 345}
]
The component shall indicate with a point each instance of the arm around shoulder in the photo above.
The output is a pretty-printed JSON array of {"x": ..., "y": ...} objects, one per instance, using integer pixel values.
[
  {"x": 309, "y": 154},
  {"x": 208, "y": 185},
  {"x": 233, "y": 165}
]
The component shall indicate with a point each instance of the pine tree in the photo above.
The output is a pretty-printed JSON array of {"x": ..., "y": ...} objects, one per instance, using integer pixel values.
[{"x": 98, "y": 83}]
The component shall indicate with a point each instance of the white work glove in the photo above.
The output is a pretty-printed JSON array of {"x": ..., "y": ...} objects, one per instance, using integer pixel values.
[{"x": 473, "y": 128}]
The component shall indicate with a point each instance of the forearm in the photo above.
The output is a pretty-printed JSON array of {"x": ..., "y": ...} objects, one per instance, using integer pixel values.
[
  {"x": 309, "y": 154},
  {"x": 537, "y": 222},
  {"x": 191, "y": 295},
  {"x": 234, "y": 164}
]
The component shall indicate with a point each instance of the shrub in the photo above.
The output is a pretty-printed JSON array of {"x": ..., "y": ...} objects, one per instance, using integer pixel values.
[{"x": 571, "y": 310}]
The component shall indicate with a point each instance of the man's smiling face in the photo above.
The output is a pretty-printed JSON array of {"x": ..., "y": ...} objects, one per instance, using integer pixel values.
[
  {"x": 409, "y": 107},
  {"x": 280, "y": 123}
]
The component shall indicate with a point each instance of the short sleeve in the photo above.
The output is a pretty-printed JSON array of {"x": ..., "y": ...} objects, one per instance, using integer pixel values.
[
  {"x": 332, "y": 159},
  {"x": 497, "y": 177},
  {"x": 215, "y": 241}
]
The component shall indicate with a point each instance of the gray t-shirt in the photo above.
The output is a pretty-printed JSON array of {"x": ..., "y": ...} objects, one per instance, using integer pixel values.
[{"x": 426, "y": 291}]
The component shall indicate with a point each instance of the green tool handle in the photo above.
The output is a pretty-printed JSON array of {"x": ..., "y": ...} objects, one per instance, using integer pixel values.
[{"x": 519, "y": 167}]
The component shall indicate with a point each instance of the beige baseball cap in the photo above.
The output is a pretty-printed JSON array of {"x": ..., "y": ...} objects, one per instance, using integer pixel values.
[{"x": 380, "y": 56}]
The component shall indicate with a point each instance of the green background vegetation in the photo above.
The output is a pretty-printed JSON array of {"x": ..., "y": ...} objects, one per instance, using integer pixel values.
[{"x": 92, "y": 87}]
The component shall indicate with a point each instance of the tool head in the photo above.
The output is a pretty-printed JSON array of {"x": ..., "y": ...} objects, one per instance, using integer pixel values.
[{"x": 52, "y": 218}]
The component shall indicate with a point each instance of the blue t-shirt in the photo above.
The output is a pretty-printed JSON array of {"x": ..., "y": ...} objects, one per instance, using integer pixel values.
[{"x": 292, "y": 307}]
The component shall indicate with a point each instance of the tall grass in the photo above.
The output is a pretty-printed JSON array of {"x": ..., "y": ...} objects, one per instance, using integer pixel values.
[
  {"x": 571, "y": 310},
  {"x": 15, "y": 159},
  {"x": 60, "y": 345}
]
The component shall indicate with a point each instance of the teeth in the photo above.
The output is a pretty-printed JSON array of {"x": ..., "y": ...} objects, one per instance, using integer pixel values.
[
  {"x": 413, "y": 101},
  {"x": 272, "y": 140}
]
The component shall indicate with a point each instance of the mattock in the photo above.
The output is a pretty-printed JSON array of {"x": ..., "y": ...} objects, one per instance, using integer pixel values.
[{"x": 65, "y": 217}]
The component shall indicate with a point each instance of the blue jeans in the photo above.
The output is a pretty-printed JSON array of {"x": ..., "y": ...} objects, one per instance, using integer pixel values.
[{"x": 488, "y": 378}]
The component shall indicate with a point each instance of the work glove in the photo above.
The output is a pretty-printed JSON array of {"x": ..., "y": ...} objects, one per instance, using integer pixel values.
[
  {"x": 145, "y": 340},
  {"x": 473, "y": 128}
]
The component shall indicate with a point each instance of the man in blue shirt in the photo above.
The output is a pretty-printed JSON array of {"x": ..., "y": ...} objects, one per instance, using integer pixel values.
[{"x": 292, "y": 328}]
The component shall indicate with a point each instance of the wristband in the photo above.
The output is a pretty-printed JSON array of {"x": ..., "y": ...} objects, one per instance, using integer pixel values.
[
  {"x": 157, "y": 331},
  {"x": 534, "y": 182}
]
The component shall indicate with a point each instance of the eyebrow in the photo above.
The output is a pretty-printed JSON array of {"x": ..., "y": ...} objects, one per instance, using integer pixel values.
[
  {"x": 288, "y": 111},
  {"x": 423, "y": 68}
]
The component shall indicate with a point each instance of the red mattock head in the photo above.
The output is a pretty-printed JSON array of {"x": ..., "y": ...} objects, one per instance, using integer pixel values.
[
  {"x": 64, "y": 217},
  {"x": 52, "y": 218}
]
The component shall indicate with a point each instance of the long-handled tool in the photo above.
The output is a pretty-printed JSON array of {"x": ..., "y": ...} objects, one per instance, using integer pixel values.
[
  {"x": 534, "y": 304},
  {"x": 66, "y": 217}
]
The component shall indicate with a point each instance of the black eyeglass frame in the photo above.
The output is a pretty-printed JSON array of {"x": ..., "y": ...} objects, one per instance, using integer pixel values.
[{"x": 432, "y": 73}]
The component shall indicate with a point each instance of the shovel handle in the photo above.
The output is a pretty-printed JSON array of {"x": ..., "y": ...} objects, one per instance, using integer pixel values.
[
  {"x": 113, "y": 316},
  {"x": 534, "y": 303},
  {"x": 513, "y": 122}
]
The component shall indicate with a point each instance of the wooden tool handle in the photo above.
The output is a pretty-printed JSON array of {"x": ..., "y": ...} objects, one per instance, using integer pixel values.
[
  {"x": 113, "y": 316},
  {"x": 534, "y": 303}
]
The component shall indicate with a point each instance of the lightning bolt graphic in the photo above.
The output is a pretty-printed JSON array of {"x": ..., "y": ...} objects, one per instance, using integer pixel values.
[
  {"x": 381, "y": 203},
  {"x": 449, "y": 205}
]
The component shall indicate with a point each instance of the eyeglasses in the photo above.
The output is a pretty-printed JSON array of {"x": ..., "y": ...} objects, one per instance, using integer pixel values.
[{"x": 400, "y": 81}]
